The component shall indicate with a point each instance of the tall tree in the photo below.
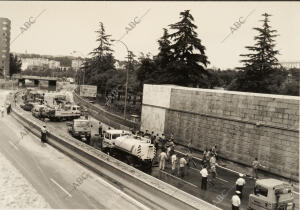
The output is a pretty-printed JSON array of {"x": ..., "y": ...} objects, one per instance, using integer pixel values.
[
  {"x": 261, "y": 63},
  {"x": 15, "y": 64},
  {"x": 187, "y": 60},
  {"x": 101, "y": 61}
]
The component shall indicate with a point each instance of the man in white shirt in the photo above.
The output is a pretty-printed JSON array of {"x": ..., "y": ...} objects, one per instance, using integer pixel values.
[
  {"x": 173, "y": 161},
  {"x": 162, "y": 160},
  {"x": 236, "y": 201},
  {"x": 204, "y": 174},
  {"x": 240, "y": 182},
  {"x": 182, "y": 163}
]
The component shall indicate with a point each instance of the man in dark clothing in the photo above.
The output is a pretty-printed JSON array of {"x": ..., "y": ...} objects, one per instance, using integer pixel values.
[
  {"x": 44, "y": 134},
  {"x": 8, "y": 108},
  {"x": 152, "y": 138},
  {"x": 100, "y": 129}
]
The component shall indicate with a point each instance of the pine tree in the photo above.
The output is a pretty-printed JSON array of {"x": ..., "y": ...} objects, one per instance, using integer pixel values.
[
  {"x": 15, "y": 64},
  {"x": 261, "y": 63},
  {"x": 164, "y": 55},
  {"x": 188, "y": 54},
  {"x": 102, "y": 58}
]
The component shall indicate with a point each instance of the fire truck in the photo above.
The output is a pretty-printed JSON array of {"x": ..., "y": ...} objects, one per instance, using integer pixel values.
[
  {"x": 133, "y": 150},
  {"x": 271, "y": 194}
]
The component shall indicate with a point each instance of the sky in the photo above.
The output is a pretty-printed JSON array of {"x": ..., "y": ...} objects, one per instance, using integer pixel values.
[{"x": 66, "y": 26}]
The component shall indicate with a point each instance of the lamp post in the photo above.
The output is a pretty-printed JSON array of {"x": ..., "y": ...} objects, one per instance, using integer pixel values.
[
  {"x": 126, "y": 84},
  {"x": 72, "y": 53}
]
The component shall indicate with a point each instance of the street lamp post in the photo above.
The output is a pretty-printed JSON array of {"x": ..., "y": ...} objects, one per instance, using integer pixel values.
[{"x": 126, "y": 85}]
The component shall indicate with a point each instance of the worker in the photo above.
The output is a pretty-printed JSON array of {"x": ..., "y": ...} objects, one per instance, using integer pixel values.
[
  {"x": 212, "y": 161},
  {"x": 240, "y": 182},
  {"x": 189, "y": 146},
  {"x": 153, "y": 137},
  {"x": 156, "y": 142},
  {"x": 255, "y": 166},
  {"x": 163, "y": 141},
  {"x": 174, "y": 163},
  {"x": 182, "y": 164},
  {"x": 189, "y": 158},
  {"x": 2, "y": 111},
  {"x": 162, "y": 160},
  {"x": 44, "y": 134},
  {"x": 204, "y": 174},
  {"x": 8, "y": 109},
  {"x": 236, "y": 201},
  {"x": 100, "y": 129},
  {"x": 213, "y": 173}
]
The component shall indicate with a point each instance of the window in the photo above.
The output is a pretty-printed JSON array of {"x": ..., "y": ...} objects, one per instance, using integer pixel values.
[
  {"x": 259, "y": 190},
  {"x": 5, "y": 23},
  {"x": 106, "y": 135},
  {"x": 4, "y": 28},
  {"x": 114, "y": 136}
]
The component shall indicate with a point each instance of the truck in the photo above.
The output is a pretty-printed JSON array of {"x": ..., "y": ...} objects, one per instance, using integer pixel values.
[
  {"x": 65, "y": 112},
  {"x": 80, "y": 129},
  {"x": 271, "y": 194},
  {"x": 132, "y": 149}
]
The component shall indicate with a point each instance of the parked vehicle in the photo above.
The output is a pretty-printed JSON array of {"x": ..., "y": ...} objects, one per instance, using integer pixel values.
[
  {"x": 65, "y": 112},
  {"x": 27, "y": 106},
  {"x": 134, "y": 150},
  {"x": 271, "y": 194},
  {"x": 38, "y": 111},
  {"x": 80, "y": 129}
]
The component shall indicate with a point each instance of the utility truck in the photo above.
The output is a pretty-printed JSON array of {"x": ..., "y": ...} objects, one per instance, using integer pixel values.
[
  {"x": 134, "y": 150},
  {"x": 271, "y": 194},
  {"x": 64, "y": 112},
  {"x": 80, "y": 129}
]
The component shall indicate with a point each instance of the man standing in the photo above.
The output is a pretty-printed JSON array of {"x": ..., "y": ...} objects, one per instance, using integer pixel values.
[
  {"x": 236, "y": 201},
  {"x": 152, "y": 137},
  {"x": 255, "y": 165},
  {"x": 44, "y": 134},
  {"x": 100, "y": 129},
  {"x": 162, "y": 160},
  {"x": 212, "y": 161},
  {"x": 204, "y": 174},
  {"x": 174, "y": 163},
  {"x": 240, "y": 182},
  {"x": 182, "y": 163}
]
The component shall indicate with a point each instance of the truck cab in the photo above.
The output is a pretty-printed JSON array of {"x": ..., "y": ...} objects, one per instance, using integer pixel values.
[
  {"x": 271, "y": 194},
  {"x": 110, "y": 135},
  {"x": 80, "y": 129}
]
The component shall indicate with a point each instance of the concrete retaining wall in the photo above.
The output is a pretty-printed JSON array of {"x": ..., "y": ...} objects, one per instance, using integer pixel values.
[{"x": 243, "y": 125}]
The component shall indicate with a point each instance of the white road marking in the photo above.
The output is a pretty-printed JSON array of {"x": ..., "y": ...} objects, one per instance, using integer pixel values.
[
  {"x": 221, "y": 179},
  {"x": 61, "y": 187},
  {"x": 122, "y": 194},
  {"x": 296, "y": 192},
  {"x": 13, "y": 145}
]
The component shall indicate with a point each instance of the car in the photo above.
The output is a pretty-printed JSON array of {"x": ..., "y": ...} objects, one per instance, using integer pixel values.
[
  {"x": 27, "y": 106},
  {"x": 37, "y": 110}
]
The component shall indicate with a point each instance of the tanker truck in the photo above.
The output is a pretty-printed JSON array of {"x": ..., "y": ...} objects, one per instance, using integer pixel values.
[{"x": 133, "y": 150}]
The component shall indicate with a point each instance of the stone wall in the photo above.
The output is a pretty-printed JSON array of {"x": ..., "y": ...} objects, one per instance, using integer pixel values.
[{"x": 243, "y": 125}]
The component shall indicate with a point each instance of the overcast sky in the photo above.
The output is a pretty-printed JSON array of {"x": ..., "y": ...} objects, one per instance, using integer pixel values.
[{"x": 66, "y": 26}]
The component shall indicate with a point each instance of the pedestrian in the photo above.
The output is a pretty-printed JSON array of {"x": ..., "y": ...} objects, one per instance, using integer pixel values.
[
  {"x": 147, "y": 134},
  {"x": 153, "y": 137},
  {"x": 204, "y": 174},
  {"x": 8, "y": 108},
  {"x": 212, "y": 161},
  {"x": 156, "y": 142},
  {"x": 44, "y": 134},
  {"x": 162, "y": 160},
  {"x": 174, "y": 163},
  {"x": 214, "y": 151},
  {"x": 188, "y": 162},
  {"x": 236, "y": 201},
  {"x": 163, "y": 141},
  {"x": 2, "y": 111},
  {"x": 204, "y": 158},
  {"x": 213, "y": 172},
  {"x": 240, "y": 182},
  {"x": 189, "y": 146},
  {"x": 255, "y": 166},
  {"x": 168, "y": 153},
  {"x": 182, "y": 164},
  {"x": 100, "y": 129}
]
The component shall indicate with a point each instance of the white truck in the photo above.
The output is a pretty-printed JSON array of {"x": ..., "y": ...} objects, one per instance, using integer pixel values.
[
  {"x": 66, "y": 112},
  {"x": 134, "y": 150}
]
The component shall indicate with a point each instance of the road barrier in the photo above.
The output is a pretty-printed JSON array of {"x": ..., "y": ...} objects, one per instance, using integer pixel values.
[{"x": 155, "y": 193}]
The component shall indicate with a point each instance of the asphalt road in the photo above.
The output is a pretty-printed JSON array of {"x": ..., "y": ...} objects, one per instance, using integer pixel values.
[
  {"x": 219, "y": 190},
  {"x": 61, "y": 181}
]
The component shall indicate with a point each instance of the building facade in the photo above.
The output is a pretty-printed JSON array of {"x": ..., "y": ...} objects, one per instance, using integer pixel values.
[
  {"x": 4, "y": 46},
  {"x": 29, "y": 63},
  {"x": 76, "y": 64}
]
